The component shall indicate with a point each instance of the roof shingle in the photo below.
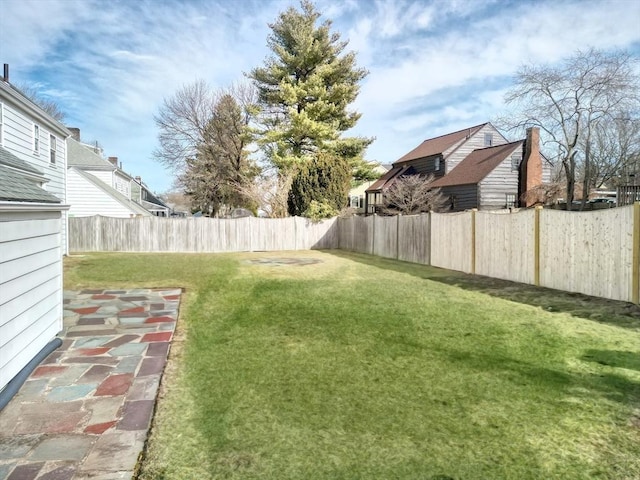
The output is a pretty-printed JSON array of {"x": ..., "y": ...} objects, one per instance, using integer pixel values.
[
  {"x": 17, "y": 188},
  {"x": 477, "y": 165},
  {"x": 437, "y": 145}
]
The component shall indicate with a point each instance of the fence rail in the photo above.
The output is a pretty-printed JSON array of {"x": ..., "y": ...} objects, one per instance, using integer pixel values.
[{"x": 595, "y": 253}]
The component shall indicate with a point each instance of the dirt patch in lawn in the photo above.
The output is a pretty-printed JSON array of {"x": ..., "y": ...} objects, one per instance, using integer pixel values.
[{"x": 283, "y": 261}]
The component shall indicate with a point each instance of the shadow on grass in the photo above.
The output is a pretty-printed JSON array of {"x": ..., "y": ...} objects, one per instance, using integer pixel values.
[
  {"x": 614, "y": 358},
  {"x": 611, "y": 312}
]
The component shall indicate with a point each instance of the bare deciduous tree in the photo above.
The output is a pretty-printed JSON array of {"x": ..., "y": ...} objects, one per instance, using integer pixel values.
[
  {"x": 46, "y": 104},
  {"x": 270, "y": 191},
  {"x": 412, "y": 194},
  {"x": 570, "y": 101},
  {"x": 615, "y": 153},
  {"x": 204, "y": 138}
]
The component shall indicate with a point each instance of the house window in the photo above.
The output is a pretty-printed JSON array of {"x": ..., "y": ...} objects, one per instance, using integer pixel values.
[
  {"x": 515, "y": 162},
  {"x": 437, "y": 166},
  {"x": 510, "y": 200},
  {"x": 488, "y": 139},
  {"x": 453, "y": 202},
  {"x": 36, "y": 139},
  {"x": 1, "y": 124},
  {"x": 354, "y": 201},
  {"x": 52, "y": 149}
]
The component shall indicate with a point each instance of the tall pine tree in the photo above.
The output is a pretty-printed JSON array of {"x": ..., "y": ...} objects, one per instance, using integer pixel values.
[{"x": 305, "y": 89}]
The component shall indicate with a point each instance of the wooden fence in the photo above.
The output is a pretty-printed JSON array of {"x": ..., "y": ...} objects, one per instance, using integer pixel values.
[
  {"x": 595, "y": 253},
  {"x": 156, "y": 234}
]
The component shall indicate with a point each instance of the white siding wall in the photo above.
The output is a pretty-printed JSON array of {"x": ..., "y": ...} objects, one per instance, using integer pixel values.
[
  {"x": 18, "y": 139},
  {"x": 87, "y": 200},
  {"x": 457, "y": 153},
  {"x": 121, "y": 184},
  {"x": 30, "y": 288},
  {"x": 105, "y": 176},
  {"x": 494, "y": 187}
]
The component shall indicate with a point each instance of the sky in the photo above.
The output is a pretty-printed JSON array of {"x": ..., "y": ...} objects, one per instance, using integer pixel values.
[{"x": 435, "y": 66}]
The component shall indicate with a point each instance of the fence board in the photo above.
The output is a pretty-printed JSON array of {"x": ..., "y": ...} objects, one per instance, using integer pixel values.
[
  {"x": 414, "y": 239},
  {"x": 156, "y": 234},
  {"x": 385, "y": 238},
  {"x": 505, "y": 245},
  {"x": 588, "y": 252},
  {"x": 451, "y": 241}
]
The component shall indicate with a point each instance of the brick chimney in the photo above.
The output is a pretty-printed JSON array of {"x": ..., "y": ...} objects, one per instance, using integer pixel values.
[
  {"x": 531, "y": 166},
  {"x": 114, "y": 161},
  {"x": 75, "y": 133}
]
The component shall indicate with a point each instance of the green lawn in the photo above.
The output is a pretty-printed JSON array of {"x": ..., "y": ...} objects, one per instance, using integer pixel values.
[{"x": 363, "y": 368}]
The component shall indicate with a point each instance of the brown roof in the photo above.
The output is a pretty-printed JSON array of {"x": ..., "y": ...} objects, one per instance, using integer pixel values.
[
  {"x": 387, "y": 178},
  {"x": 477, "y": 165},
  {"x": 434, "y": 146}
]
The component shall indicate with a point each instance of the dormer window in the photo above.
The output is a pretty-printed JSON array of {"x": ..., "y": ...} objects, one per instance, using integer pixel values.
[
  {"x": 36, "y": 139},
  {"x": 437, "y": 164},
  {"x": 488, "y": 139}
]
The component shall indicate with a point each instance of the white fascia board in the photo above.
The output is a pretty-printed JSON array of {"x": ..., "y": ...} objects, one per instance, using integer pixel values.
[{"x": 6, "y": 206}]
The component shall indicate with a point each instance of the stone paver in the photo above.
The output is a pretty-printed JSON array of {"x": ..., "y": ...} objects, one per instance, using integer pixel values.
[{"x": 86, "y": 410}]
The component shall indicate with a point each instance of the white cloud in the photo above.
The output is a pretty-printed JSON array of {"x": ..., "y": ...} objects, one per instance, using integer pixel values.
[{"x": 433, "y": 65}]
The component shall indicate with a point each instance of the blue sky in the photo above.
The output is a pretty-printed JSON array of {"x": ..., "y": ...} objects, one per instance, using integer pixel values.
[{"x": 434, "y": 66}]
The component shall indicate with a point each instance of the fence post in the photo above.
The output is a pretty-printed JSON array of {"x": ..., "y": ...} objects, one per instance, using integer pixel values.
[
  {"x": 635, "y": 266},
  {"x": 398, "y": 236},
  {"x": 536, "y": 246},
  {"x": 473, "y": 240}
]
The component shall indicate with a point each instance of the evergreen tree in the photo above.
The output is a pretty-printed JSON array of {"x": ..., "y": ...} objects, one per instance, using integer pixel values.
[
  {"x": 323, "y": 181},
  {"x": 305, "y": 89}
]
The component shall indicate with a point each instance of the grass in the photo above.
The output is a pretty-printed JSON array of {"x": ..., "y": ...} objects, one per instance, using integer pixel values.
[{"x": 364, "y": 368}]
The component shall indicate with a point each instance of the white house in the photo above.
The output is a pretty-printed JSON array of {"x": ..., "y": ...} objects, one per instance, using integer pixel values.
[
  {"x": 32, "y": 229},
  {"x": 96, "y": 186}
]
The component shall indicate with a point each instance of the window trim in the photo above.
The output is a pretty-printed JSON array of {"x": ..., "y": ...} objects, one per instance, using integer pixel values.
[
  {"x": 53, "y": 149},
  {"x": 36, "y": 139},
  {"x": 488, "y": 139},
  {"x": 515, "y": 166}
]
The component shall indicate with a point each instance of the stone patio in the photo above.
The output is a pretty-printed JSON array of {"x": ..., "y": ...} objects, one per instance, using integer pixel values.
[{"x": 86, "y": 410}]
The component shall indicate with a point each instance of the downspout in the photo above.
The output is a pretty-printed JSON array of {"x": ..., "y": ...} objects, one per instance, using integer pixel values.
[{"x": 16, "y": 382}]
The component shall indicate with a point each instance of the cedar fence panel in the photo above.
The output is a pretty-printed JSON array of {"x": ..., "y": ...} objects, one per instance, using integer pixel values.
[{"x": 505, "y": 245}]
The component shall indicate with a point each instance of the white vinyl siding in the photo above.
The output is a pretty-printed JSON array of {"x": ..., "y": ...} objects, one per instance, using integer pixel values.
[
  {"x": 30, "y": 287},
  {"x": 1, "y": 124},
  {"x": 122, "y": 184},
  {"x": 87, "y": 200},
  {"x": 105, "y": 176}
]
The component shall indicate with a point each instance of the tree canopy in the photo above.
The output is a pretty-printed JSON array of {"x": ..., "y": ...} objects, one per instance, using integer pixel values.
[
  {"x": 571, "y": 102},
  {"x": 204, "y": 137},
  {"x": 305, "y": 88}
]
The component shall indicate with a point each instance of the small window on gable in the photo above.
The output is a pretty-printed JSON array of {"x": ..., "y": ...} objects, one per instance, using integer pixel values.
[
  {"x": 515, "y": 162},
  {"x": 437, "y": 165},
  {"x": 488, "y": 139},
  {"x": 52, "y": 149},
  {"x": 36, "y": 139}
]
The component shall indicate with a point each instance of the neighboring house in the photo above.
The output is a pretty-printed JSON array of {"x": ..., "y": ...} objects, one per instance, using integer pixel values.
[
  {"x": 141, "y": 194},
  {"x": 357, "y": 194},
  {"x": 32, "y": 229},
  {"x": 96, "y": 186},
  {"x": 474, "y": 168}
]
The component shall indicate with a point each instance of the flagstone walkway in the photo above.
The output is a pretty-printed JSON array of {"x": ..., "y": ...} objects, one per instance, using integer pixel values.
[{"x": 86, "y": 410}]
